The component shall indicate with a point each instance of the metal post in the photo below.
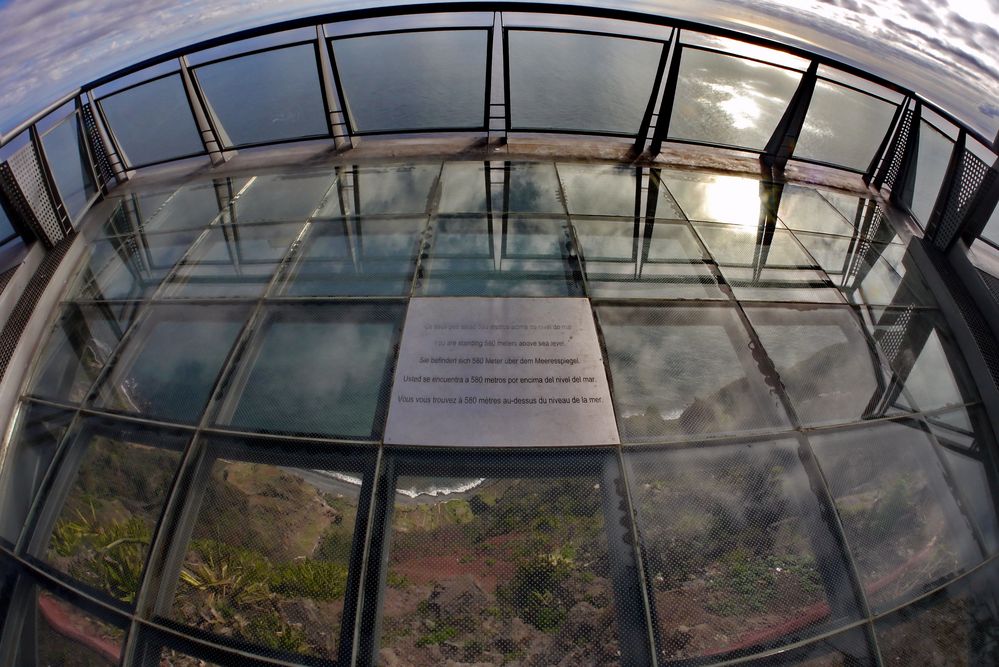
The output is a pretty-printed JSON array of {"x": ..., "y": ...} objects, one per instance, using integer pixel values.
[
  {"x": 62, "y": 215},
  {"x": 337, "y": 119},
  {"x": 108, "y": 142},
  {"x": 780, "y": 148},
  {"x": 981, "y": 207},
  {"x": 936, "y": 227},
  {"x": 209, "y": 139},
  {"x": 666, "y": 106},
  {"x": 905, "y": 180},
  {"x": 643, "y": 130}
]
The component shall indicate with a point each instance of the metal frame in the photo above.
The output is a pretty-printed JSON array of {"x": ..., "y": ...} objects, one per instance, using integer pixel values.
[{"x": 343, "y": 94}]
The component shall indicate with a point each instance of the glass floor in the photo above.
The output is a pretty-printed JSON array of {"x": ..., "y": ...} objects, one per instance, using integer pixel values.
[{"x": 198, "y": 473}]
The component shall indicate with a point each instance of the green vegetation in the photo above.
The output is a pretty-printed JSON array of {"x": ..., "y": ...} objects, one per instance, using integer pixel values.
[
  {"x": 438, "y": 636},
  {"x": 748, "y": 584}
]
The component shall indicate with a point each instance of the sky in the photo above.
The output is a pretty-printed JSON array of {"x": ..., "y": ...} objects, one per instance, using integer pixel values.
[{"x": 947, "y": 50}]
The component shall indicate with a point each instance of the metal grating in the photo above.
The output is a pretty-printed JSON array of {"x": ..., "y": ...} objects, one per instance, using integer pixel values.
[
  {"x": 992, "y": 283},
  {"x": 12, "y": 330},
  {"x": 969, "y": 178},
  {"x": 100, "y": 157},
  {"x": 5, "y": 278},
  {"x": 896, "y": 152},
  {"x": 21, "y": 209},
  {"x": 27, "y": 173}
]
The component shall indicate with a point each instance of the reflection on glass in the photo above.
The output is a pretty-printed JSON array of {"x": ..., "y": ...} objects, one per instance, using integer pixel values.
[
  {"x": 860, "y": 271},
  {"x": 232, "y": 260},
  {"x": 67, "y": 157},
  {"x": 898, "y": 507},
  {"x": 600, "y": 189},
  {"x": 500, "y": 257},
  {"x": 357, "y": 257},
  {"x": 378, "y": 191},
  {"x": 319, "y": 370},
  {"x": 552, "y": 79},
  {"x": 153, "y": 122},
  {"x": 510, "y": 566},
  {"x": 264, "y": 97},
  {"x": 762, "y": 266},
  {"x": 825, "y": 363},
  {"x": 288, "y": 585},
  {"x": 932, "y": 159},
  {"x": 845, "y": 649},
  {"x": 168, "y": 368},
  {"x": 67, "y": 636},
  {"x": 804, "y": 209},
  {"x": 843, "y": 126},
  {"x": 991, "y": 231},
  {"x": 723, "y": 99},
  {"x": 734, "y": 200},
  {"x": 131, "y": 267},
  {"x": 435, "y": 79},
  {"x": 519, "y": 187},
  {"x": 733, "y": 544},
  {"x": 968, "y": 448},
  {"x": 278, "y": 198},
  {"x": 104, "y": 525},
  {"x": 956, "y": 626},
  {"x": 929, "y": 369},
  {"x": 648, "y": 259},
  {"x": 190, "y": 207},
  {"x": 80, "y": 344},
  {"x": 39, "y": 431},
  {"x": 6, "y": 228},
  {"x": 680, "y": 371}
]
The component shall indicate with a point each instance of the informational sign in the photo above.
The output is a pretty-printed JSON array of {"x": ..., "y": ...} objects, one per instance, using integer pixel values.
[{"x": 500, "y": 372}]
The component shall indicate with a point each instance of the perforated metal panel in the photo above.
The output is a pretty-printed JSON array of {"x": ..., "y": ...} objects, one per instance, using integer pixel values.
[
  {"x": 18, "y": 320},
  {"x": 27, "y": 172},
  {"x": 969, "y": 178},
  {"x": 896, "y": 152},
  {"x": 104, "y": 172}
]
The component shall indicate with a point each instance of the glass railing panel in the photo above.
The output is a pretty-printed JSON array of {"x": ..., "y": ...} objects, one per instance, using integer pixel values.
[
  {"x": 843, "y": 127},
  {"x": 991, "y": 231},
  {"x": 580, "y": 82},
  {"x": 427, "y": 80},
  {"x": 153, "y": 122},
  {"x": 722, "y": 99},
  {"x": 67, "y": 157},
  {"x": 931, "y": 166},
  {"x": 266, "y": 97}
]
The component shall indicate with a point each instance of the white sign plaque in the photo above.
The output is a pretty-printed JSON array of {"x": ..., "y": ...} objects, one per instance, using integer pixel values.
[{"x": 500, "y": 372}]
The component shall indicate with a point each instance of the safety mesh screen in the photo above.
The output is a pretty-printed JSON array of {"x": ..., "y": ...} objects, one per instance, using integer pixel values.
[
  {"x": 900, "y": 508},
  {"x": 680, "y": 371},
  {"x": 40, "y": 429},
  {"x": 284, "y": 591},
  {"x": 493, "y": 558},
  {"x": 99, "y": 517},
  {"x": 27, "y": 173},
  {"x": 958, "y": 625}
]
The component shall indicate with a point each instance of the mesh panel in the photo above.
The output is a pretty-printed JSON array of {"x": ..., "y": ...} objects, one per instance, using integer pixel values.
[
  {"x": 317, "y": 370},
  {"x": 280, "y": 590},
  {"x": 969, "y": 178},
  {"x": 80, "y": 344},
  {"x": 896, "y": 152},
  {"x": 5, "y": 278},
  {"x": 99, "y": 519},
  {"x": 40, "y": 430},
  {"x": 21, "y": 210},
  {"x": 514, "y": 563},
  {"x": 168, "y": 367},
  {"x": 680, "y": 371},
  {"x": 899, "y": 508},
  {"x": 25, "y": 306},
  {"x": 848, "y": 649},
  {"x": 28, "y": 174},
  {"x": 733, "y": 542},
  {"x": 960, "y": 625},
  {"x": 104, "y": 171},
  {"x": 58, "y": 633},
  {"x": 824, "y": 361}
]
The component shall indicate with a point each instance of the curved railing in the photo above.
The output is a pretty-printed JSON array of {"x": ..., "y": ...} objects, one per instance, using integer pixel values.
[{"x": 495, "y": 71}]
